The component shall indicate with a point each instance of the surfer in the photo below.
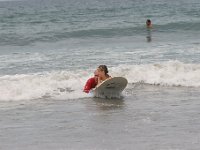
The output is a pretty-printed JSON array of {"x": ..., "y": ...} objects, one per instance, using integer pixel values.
[
  {"x": 91, "y": 83},
  {"x": 149, "y": 27},
  {"x": 102, "y": 74},
  {"x": 148, "y": 23}
]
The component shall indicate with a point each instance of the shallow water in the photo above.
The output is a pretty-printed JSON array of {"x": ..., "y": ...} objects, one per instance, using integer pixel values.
[{"x": 150, "y": 117}]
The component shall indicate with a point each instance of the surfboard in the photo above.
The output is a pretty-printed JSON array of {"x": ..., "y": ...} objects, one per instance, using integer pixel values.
[{"x": 111, "y": 88}]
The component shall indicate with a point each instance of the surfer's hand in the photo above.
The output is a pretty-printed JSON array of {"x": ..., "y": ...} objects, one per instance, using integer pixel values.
[{"x": 99, "y": 81}]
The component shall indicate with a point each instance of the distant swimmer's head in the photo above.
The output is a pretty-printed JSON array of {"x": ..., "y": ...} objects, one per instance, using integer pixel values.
[
  {"x": 102, "y": 69},
  {"x": 148, "y": 23}
]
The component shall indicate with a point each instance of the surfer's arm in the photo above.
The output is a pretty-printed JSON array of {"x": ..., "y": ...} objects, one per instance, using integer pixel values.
[
  {"x": 99, "y": 81},
  {"x": 88, "y": 86}
]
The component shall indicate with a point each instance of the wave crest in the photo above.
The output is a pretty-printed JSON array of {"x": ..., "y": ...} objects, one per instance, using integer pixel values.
[
  {"x": 69, "y": 85},
  {"x": 172, "y": 73}
]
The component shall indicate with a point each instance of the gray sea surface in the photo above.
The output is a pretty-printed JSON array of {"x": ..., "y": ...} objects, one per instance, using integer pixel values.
[
  {"x": 150, "y": 117},
  {"x": 49, "y": 48}
]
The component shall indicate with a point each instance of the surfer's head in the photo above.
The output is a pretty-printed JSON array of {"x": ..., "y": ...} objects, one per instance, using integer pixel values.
[
  {"x": 103, "y": 68},
  {"x": 103, "y": 72}
]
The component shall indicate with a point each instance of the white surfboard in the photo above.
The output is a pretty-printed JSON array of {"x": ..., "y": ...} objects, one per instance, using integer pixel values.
[{"x": 111, "y": 88}]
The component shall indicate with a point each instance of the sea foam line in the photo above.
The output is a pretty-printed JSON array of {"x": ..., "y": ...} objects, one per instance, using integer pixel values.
[
  {"x": 69, "y": 85},
  {"x": 171, "y": 73}
]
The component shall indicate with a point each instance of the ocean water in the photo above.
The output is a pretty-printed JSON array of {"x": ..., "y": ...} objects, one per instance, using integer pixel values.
[{"x": 48, "y": 50}]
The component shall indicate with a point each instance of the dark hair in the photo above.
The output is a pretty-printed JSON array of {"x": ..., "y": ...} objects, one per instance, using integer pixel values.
[
  {"x": 103, "y": 68},
  {"x": 148, "y": 21}
]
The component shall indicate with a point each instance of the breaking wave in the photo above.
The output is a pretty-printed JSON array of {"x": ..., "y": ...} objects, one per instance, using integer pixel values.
[{"x": 69, "y": 85}]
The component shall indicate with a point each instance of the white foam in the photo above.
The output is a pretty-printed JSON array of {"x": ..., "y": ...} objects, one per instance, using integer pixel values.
[
  {"x": 61, "y": 85},
  {"x": 171, "y": 73},
  {"x": 69, "y": 85}
]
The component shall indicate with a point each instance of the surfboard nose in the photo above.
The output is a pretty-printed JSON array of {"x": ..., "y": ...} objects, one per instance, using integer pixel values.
[{"x": 111, "y": 88}]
